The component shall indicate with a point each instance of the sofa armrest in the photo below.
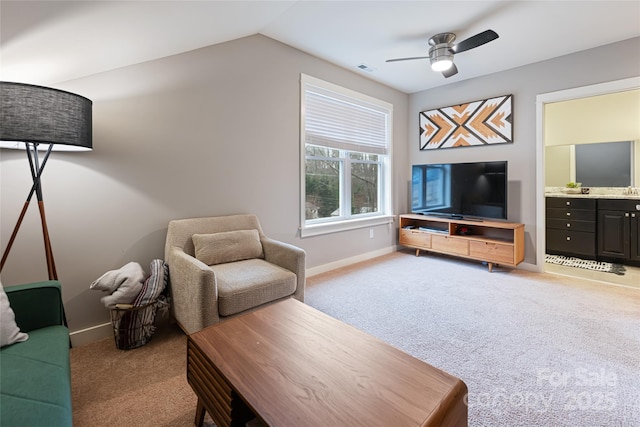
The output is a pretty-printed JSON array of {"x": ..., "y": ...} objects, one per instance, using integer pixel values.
[
  {"x": 194, "y": 291},
  {"x": 290, "y": 257},
  {"x": 37, "y": 305}
]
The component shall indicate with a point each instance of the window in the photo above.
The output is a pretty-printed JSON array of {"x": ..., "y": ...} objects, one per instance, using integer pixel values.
[{"x": 346, "y": 144}]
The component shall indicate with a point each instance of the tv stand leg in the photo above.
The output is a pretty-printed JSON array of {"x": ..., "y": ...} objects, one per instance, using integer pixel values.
[
  {"x": 417, "y": 252},
  {"x": 490, "y": 267}
]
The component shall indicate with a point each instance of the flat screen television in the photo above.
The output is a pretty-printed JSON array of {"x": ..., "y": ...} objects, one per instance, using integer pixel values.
[{"x": 460, "y": 190}]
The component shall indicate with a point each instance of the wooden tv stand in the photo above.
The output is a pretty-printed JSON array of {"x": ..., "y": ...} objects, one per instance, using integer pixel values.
[{"x": 494, "y": 242}]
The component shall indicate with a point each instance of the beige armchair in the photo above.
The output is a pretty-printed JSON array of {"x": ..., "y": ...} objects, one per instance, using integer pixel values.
[{"x": 220, "y": 267}]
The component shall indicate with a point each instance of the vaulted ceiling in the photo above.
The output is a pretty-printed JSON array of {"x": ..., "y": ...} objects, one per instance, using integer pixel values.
[{"x": 53, "y": 41}]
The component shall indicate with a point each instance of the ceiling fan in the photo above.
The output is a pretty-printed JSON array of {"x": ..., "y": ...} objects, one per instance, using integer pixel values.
[{"x": 442, "y": 50}]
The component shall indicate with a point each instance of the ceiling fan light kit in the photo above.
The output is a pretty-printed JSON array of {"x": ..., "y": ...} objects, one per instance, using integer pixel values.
[{"x": 440, "y": 57}]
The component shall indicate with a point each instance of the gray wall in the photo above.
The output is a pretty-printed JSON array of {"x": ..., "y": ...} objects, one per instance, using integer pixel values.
[
  {"x": 214, "y": 131},
  {"x": 525, "y": 83}
]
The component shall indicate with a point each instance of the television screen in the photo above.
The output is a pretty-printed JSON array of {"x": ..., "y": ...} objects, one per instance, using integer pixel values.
[{"x": 475, "y": 190}]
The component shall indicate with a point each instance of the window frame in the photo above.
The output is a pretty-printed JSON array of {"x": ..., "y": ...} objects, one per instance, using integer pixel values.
[{"x": 347, "y": 221}]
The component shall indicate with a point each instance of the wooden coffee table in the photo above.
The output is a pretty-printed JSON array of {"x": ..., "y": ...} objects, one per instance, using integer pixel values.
[{"x": 289, "y": 364}]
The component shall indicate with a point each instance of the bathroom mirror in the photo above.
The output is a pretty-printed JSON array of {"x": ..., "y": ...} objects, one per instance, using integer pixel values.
[
  {"x": 607, "y": 164},
  {"x": 593, "y": 140}
]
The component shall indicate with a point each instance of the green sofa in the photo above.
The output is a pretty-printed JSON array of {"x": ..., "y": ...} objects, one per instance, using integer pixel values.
[{"x": 35, "y": 375}]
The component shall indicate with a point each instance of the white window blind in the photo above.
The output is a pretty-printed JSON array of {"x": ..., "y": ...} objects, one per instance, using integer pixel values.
[{"x": 339, "y": 121}]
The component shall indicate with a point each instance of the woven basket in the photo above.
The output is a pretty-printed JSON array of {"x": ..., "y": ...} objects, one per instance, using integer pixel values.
[{"x": 133, "y": 327}]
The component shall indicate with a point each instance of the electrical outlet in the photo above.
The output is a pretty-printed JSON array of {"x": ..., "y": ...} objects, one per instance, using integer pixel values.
[{"x": 371, "y": 233}]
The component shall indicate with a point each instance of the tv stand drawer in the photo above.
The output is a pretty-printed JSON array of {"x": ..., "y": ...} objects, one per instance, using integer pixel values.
[
  {"x": 416, "y": 238},
  {"x": 490, "y": 251},
  {"x": 450, "y": 245}
]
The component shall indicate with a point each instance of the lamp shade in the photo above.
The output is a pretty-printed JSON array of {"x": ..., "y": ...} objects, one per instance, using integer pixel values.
[{"x": 42, "y": 115}]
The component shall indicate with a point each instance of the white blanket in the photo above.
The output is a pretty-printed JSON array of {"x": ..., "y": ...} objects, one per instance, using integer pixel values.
[{"x": 123, "y": 284}]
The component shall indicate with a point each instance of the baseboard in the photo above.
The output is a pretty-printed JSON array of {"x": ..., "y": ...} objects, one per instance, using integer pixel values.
[
  {"x": 91, "y": 334},
  {"x": 105, "y": 330},
  {"x": 348, "y": 261},
  {"x": 530, "y": 267}
]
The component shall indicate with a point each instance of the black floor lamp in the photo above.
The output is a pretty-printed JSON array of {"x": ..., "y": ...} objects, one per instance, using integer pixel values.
[{"x": 36, "y": 118}]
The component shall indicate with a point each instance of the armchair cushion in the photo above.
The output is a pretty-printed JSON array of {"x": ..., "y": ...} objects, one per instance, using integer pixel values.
[
  {"x": 246, "y": 284},
  {"x": 228, "y": 246}
]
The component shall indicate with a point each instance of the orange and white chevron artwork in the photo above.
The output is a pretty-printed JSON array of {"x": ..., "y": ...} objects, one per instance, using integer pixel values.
[{"x": 475, "y": 123}]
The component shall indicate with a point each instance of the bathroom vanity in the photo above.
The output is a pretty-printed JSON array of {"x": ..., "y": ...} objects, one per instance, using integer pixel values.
[{"x": 604, "y": 227}]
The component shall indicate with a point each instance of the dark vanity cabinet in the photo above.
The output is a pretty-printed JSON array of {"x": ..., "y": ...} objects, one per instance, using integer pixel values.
[
  {"x": 600, "y": 229},
  {"x": 619, "y": 230},
  {"x": 571, "y": 227},
  {"x": 635, "y": 236}
]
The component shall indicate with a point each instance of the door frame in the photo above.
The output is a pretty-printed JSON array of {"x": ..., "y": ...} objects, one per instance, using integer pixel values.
[{"x": 548, "y": 98}]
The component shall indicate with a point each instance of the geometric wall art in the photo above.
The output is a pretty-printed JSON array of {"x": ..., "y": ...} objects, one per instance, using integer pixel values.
[{"x": 484, "y": 122}]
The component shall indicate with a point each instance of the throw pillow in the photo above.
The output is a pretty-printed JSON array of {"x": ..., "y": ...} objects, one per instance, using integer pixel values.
[
  {"x": 154, "y": 285},
  {"x": 9, "y": 331},
  {"x": 228, "y": 246}
]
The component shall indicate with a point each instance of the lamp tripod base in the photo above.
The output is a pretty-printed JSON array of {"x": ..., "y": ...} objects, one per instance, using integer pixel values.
[{"x": 36, "y": 172}]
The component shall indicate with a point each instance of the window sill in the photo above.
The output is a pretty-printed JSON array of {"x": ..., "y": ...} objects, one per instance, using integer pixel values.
[{"x": 338, "y": 226}]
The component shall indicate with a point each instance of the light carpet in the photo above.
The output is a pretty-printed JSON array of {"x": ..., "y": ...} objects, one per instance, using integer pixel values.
[{"x": 534, "y": 349}]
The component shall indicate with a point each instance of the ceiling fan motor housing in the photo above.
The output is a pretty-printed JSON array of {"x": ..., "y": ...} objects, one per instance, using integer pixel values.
[{"x": 440, "y": 53}]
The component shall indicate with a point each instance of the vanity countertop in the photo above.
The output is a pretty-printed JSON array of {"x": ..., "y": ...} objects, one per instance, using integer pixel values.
[
  {"x": 619, "y": 193},
  {"x": 595, "y": 196}
]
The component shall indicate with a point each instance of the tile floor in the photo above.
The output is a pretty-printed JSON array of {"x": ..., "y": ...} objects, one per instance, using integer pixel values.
[{"x": 631, "y": 278}]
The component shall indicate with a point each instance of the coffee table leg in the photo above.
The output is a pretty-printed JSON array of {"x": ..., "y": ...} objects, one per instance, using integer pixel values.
[{"x": 200, "y": 411}]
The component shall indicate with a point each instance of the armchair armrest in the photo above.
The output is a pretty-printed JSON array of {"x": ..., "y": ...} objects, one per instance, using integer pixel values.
[
  {"x": 37, "y": 305},
  {"x": 287, "y": 256},
  {"x": 194, "y": 291}
]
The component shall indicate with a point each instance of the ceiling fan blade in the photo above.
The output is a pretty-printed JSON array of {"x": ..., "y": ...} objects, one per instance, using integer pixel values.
[
  {"x": 451, "y": 71},
  {"x": 407, "y": 59},
  {"x": 475, "y": 41}
]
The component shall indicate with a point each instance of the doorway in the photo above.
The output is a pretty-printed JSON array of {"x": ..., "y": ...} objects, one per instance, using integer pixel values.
[{"x": 632, "y": 274}]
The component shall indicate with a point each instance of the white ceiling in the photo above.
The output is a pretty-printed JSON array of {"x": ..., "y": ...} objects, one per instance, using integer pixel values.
[{"x": 50, "y": 42}]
